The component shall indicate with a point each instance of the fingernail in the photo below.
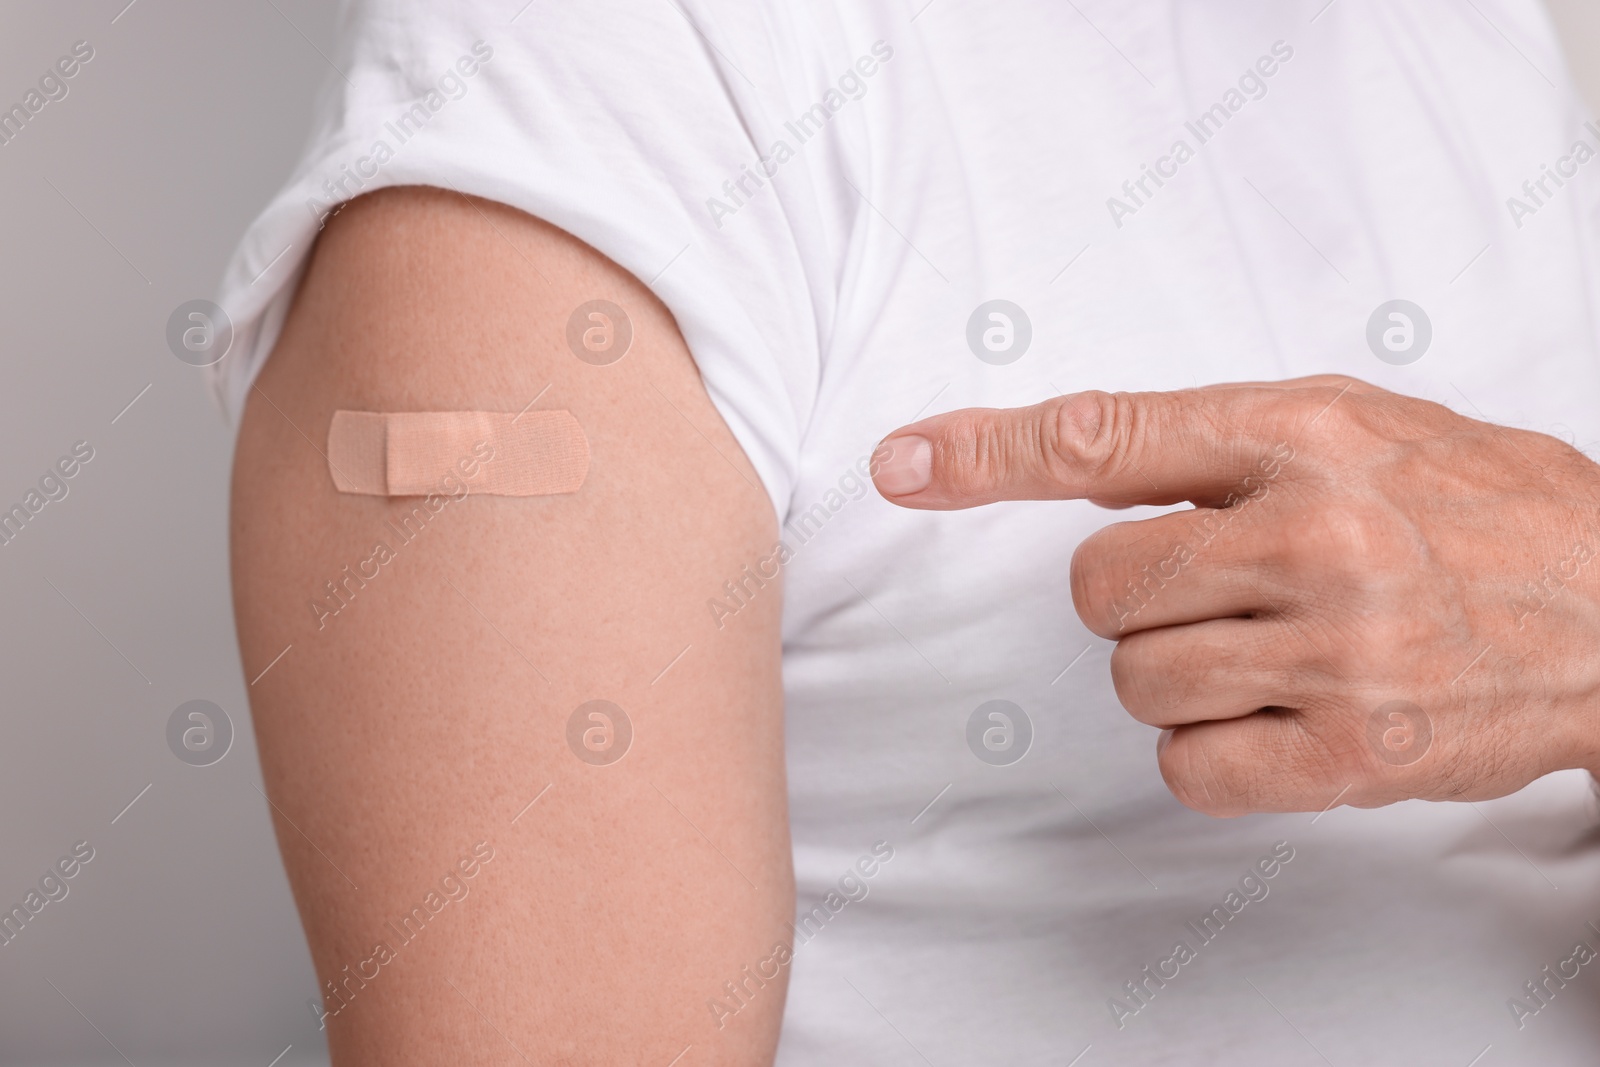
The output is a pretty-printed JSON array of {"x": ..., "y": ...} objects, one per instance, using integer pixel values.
[
  {"x": 1163, "y": 741},
  {"x": 908, "y": 468}
]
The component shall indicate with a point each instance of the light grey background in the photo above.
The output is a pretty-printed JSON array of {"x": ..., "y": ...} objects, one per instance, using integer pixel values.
[{"x": 179, "y": 941}]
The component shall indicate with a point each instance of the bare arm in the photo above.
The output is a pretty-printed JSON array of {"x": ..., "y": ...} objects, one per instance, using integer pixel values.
[{"x": 424, "y": 716}]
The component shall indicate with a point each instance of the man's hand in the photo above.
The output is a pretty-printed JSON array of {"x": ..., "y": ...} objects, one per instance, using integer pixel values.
[{"x": 1373, "y": 599}]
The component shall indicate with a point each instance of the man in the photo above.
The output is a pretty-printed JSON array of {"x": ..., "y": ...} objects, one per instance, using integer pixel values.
[{"x": 774, "y": 770}]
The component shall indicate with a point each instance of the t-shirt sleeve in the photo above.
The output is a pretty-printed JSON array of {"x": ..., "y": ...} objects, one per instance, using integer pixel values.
[{"x": 632, "y": 127}]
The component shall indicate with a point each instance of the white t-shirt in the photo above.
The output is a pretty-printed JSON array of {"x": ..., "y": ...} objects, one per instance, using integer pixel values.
[{"x": 824, "y": 194}]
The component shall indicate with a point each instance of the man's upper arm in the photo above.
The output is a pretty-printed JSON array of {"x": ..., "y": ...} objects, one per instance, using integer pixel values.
[{"x": 424, "y": 703}]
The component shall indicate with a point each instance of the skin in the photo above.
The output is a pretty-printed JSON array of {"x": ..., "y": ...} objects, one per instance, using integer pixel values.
[
  {"x": 1373, "y": 599},
  {"x": 429, "y": 712}
]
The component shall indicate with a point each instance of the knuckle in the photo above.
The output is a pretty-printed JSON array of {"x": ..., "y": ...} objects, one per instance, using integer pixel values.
[
  {"x": 1288, "y": 767},
  {"x": 1328, "y": 392},
  {"x": 1199, "y": 778},
  {"x": 1332, "y": 384},
  {"x": 1164, "y": 680},
  {"x": 1089, "y": 585},
  {"x": 1084, "y": 434},
  {"x": 1326, "y": 411},
  {"x": 1097, "y": 582},
  {"x": 1337, "y": 753},
  {"x": 1142, "y": 683},
  {"x": 1388, "y": 646},
  {"x": 1346, "y": 539}
]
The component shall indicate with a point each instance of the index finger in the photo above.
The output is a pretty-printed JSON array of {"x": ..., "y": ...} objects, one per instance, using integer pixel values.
[{"x": 1116, "y": 449}]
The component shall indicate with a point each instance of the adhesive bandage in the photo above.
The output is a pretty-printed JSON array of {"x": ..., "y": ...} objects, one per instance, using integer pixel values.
[{"x": 407, "y": 453}]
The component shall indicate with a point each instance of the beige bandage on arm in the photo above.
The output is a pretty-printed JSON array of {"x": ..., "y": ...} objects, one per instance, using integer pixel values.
[{"x": 410, "y": 453}]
